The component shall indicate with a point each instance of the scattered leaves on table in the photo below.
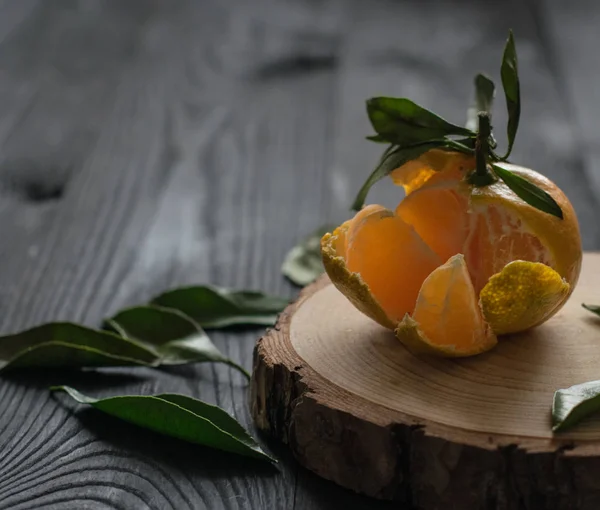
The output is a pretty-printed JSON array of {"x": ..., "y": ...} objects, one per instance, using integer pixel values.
[
  {"x": 178, "y": 416},
  {"x": 215, "y": 307},
  {"x": 150, "y": 335},
  {"x": 67, "y": 345},
  {"x": 176, "y": 338},
  {"x": 571, "y": 405},
  {"x": 303, "y": 263}
]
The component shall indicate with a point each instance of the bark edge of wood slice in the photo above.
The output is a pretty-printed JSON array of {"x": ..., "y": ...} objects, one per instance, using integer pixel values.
[{"x": 359, "y": 409}]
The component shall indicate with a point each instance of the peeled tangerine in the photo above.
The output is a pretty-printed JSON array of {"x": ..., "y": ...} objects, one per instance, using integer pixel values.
[{"x": 456, "y": 265}]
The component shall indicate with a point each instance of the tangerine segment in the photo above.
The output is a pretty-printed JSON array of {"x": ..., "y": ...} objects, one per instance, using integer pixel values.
[
  {"x": 499, "y": 236},
  {"x": 341, "y": 234},
  {"x": 560, "y": 237},
  {"x": 439, "y": 215},
  {"x": 350, "y": 284},
  {"x": 413, "y": 174},
  {"x": 368, "y": 213},
  {"x": 522, "y": 295},
  {"x": 447, "y": 319},
  {"x": 391, "y": 259}
]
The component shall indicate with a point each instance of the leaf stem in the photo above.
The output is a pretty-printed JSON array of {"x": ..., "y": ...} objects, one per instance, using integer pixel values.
[
  {"x": 241, "y": 369},
  {"x": 483, "y": 175},
  {"x": 482, "y": 143}
]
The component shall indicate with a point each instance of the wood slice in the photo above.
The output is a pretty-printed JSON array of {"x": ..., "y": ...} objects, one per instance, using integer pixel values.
[{"x": 358, "y": 408}]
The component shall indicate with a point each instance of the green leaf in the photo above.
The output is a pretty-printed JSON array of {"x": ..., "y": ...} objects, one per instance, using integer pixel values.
[
  {"x": 510, "y": 82},
  {"x": 110, "y": 325},
  {"x": 390, "y": 161},
  {"x": 175, "y": 337},
  {"x": 466, "y": 145},
  {"x": 485, "y": 91},
  {"x": 592, "y": 308},
  {"x": 66, "y": 345},
  {"x": 376, "y": 139},
  {"x": 178, "y": 416},
  {"x": 573, "y": 404},
  {"x": 214, "y": 307},
  {"x": 303, "y": 263},
  {"x": 529, "y": 192},
  {"x": 403, "y": 122}
]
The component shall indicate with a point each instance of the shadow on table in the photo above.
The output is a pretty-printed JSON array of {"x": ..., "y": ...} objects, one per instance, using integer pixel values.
[
  {"x": 316, "y": 493},
  {"x": 312, "y": 492},
  {"x": 84, "y": 381}
]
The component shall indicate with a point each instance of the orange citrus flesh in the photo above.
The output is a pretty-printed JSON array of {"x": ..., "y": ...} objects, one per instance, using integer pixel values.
[
  {"x": 491, "y": 227},
  {"x": 391, "y": 257},
  {"x": 498, "y": 237},
  {"x": 439, "y": 215},
  {"x": 560, "y": 238},
  {"x": 367, "y": 214},
  {"x": 436, "y": 327},
  {"x": 436, "y": 163},
  {"x": 388, "y": 262},
  {"x": 350, "y": 284}
]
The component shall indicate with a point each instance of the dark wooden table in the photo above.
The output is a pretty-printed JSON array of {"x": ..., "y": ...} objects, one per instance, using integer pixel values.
[{"x": 148, "y": 144}]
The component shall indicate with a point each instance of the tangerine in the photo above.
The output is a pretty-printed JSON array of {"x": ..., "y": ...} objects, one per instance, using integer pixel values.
[{"x": 440, "y": 270}]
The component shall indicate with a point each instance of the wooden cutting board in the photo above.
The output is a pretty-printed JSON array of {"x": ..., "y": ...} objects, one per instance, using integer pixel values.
[{"x": 358, "y": 408}]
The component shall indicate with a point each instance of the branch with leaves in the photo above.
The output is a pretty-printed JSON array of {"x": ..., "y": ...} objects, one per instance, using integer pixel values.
[{"x": 412, "y": 130}]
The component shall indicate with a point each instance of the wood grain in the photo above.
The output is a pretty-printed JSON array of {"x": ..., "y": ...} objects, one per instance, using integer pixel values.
[
  {"x": 507, "y": 391},
  {"x": 146, "y": 144},
  {"x": 358, "y": 408}
]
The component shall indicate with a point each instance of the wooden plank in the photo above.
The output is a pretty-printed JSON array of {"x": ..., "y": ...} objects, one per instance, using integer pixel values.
[
  {"x": 187, "y": 164},
  {"x": 174, "y": 162},
  {"x": 136, "y": 156}
]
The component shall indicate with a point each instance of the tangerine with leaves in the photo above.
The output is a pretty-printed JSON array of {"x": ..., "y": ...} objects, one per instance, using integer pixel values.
[{"x": 477, "y": 248}]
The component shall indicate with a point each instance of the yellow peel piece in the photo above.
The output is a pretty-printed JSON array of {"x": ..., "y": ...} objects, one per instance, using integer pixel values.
[
  {"x": 348, "y": 283},
  {"x": 447, "y": 320},
  {"x": 522, "y": 295}
]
